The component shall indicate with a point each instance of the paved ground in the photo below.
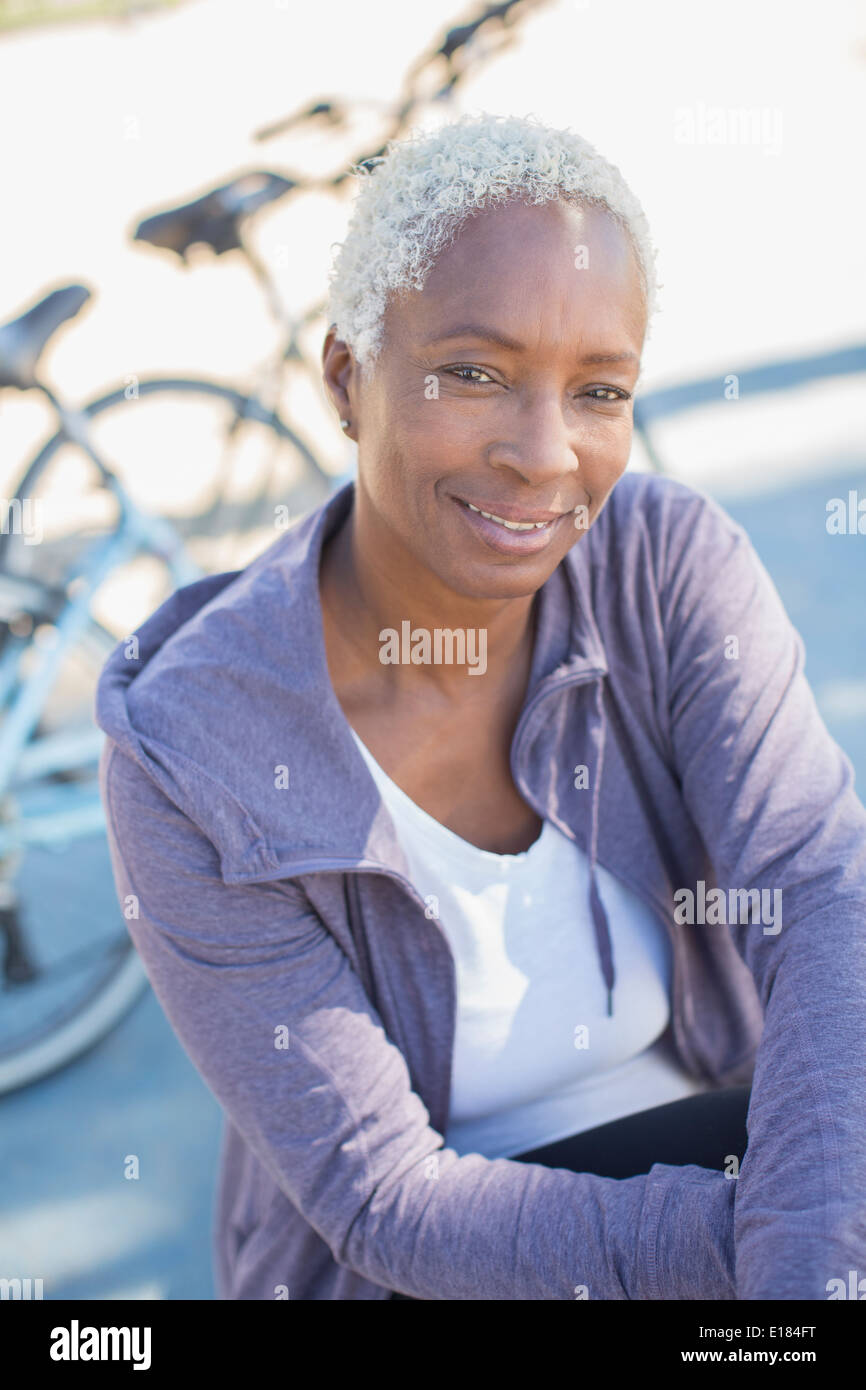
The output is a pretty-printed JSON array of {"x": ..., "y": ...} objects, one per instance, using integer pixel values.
[
  {"x": 68, "y": 1215},
  {"x": 822, "y": 581}
]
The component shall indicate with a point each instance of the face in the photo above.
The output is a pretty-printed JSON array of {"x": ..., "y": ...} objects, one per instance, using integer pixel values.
[{"x": 504, "y": 385}]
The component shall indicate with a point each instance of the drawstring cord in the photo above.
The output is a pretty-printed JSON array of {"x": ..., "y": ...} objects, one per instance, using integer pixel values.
[{"x": 597, "y": 910}]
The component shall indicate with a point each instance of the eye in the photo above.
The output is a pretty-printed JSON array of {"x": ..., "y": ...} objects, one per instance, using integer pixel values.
[
  {"x": 455, "y": 371},
  {"x": 609, "y": 393}
]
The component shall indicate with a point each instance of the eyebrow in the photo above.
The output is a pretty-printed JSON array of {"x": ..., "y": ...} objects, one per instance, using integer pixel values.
[{"x": 491, "y": 335}]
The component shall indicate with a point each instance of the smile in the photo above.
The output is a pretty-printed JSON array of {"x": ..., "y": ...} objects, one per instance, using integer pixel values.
[
  {"x": 511, "y": 525},
  {"x": 517, "y": 537}
]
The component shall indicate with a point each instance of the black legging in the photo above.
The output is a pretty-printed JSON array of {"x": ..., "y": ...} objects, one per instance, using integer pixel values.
[{"x": 701, "y": 1129}]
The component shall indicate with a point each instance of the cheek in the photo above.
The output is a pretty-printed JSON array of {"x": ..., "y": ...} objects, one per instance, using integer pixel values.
[
  {"x": 605, "y": 451},
  {"x": 417, "y": 428},
  {"x": 398, "y": 474},
  {"x": 602, "y": 465}
]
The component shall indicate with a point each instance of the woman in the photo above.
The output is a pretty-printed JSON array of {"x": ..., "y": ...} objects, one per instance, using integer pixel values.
[{"x": 454, "y": 831}]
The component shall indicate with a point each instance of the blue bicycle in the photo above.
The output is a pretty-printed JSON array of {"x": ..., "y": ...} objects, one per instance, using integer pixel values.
[{"x": 85, "y": 556}]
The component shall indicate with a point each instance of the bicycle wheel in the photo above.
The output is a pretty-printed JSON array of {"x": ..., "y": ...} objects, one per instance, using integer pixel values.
[
  {"x": 226, "y": 471},
  {"x": 69, "y": 969}
]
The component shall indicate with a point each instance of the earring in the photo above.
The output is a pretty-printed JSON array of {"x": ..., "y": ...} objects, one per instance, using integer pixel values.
[{"x": 345, "y": 424}]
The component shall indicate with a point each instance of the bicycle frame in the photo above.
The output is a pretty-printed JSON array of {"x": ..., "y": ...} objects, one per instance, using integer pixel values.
[
  {"x": 290, "y": 349},
  {"x": 70, "y": 808}
]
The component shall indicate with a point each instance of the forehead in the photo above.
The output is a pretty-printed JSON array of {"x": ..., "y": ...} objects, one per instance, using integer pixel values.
[{"x": 536, "y": 272}]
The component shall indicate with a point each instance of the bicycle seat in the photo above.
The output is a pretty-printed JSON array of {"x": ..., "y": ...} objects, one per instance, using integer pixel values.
[
  {"x": 22, "y": 340},
  {"x": 213, "y": 218}
]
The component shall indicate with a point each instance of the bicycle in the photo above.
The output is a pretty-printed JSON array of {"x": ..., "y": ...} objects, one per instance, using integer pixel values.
[
  {"x": 109, "y": 551},
  {"x": 64, "y": 605}
]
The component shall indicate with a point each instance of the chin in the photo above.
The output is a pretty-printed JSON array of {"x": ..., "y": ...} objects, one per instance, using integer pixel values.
[{"x": 498, "y": 583}]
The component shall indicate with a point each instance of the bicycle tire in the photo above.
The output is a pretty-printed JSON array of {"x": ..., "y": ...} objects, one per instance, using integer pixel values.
[
  {"x": 68, "y": 1032},
  {"x": 108, "y": 1005},
  {"x": 248, "y": 406}
]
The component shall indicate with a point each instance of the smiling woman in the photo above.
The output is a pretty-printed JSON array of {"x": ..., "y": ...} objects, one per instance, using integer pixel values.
[
  {"x": 417, "y": 931},
  {"x": 492, "y": 410}
]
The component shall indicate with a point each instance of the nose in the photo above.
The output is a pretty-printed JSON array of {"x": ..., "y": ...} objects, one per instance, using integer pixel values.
[{"x": 541, "y": 444}]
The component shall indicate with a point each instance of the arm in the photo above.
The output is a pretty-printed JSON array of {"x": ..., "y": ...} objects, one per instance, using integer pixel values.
[
  {"x": 773, "y": 797},
  {"x": 333, "y": 1117}
]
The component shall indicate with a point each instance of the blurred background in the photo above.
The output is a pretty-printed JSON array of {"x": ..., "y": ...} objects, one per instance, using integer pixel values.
[{"x": 175, "y": 176}]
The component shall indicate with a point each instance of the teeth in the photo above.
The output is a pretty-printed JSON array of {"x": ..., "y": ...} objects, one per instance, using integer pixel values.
[{"x": 512, "y": 525}]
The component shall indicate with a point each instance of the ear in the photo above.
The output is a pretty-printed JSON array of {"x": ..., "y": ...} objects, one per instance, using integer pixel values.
[{"x": 339, "y": 373}]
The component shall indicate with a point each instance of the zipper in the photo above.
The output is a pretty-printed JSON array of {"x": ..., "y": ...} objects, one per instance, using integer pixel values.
[
  {"x": 355, "y": 918},
  {"x": 443, "y": 1082}
]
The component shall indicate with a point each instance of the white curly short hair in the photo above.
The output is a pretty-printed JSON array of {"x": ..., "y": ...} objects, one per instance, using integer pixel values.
[{"x": 412, "y": 202}]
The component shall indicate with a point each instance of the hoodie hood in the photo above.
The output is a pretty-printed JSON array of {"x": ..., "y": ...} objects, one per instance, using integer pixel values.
[{"x": 224, "y": 698}]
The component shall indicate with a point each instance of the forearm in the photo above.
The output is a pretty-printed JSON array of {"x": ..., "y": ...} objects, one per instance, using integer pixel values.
[
  {"x": 800, "y": 1216},
  {"x": 549, "y": 1234},
  {"x": 687, "y": 1248}
]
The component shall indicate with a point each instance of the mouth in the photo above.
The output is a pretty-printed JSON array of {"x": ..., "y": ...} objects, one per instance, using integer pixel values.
[
  {"x": 515, "y": 532},
  {"x": 510, "y": 525}
]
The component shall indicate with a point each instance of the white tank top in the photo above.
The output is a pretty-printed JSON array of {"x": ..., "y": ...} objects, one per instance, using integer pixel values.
[{"x": 536, "y": 1057}]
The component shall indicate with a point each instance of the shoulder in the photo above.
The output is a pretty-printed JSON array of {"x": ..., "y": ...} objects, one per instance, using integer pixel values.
[
  {"x": 660, "y": 503},
  {"x": 653, "y": 522}
]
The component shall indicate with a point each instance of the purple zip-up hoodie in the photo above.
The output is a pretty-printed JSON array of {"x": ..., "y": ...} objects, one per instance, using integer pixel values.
[{"x": 265, "y": 889}]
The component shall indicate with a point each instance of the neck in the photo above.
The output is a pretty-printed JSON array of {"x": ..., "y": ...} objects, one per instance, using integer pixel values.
[{"x": 366, "y": 593}]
